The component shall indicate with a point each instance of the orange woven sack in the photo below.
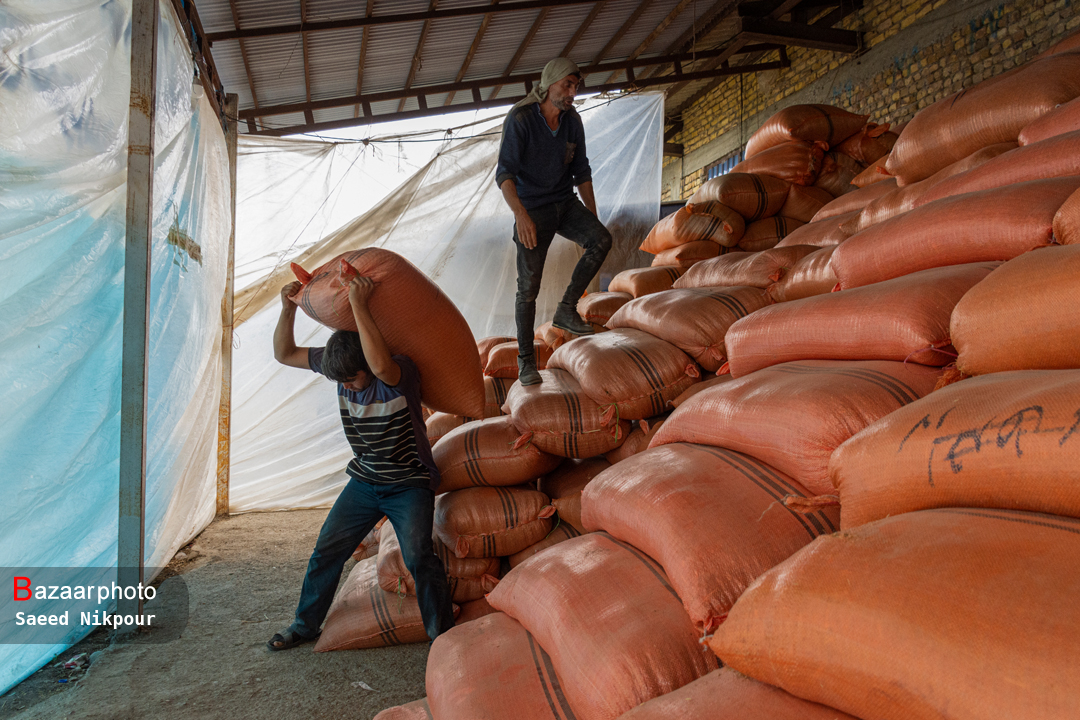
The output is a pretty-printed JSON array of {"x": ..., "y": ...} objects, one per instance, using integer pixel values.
[
  {"x": 820, "y": 233},
  {"x": 714, "y": 519},
  {"x": 630, "y": 374},
  {"x": 414, "y": 316},
  {"x": 797, "y": 162},
  {"x": 875, "y": 172},
  {"x": 369, "y": 546},
  {"x": 696, "y": 221},
  {"x": 639, "y": 282},
  {"x": 489, "y": 452},
  {"x": 1024, "y": 316},
  {"x": 997, "y": 224},
  {"x": 1067, "y": 221},
  {"x": 901, "y": 199},
  {"x": 469, "y": 578},
  {"x": 685, "y": 256},
  {"x": 473, "y": 610},
  {"x": 792, "y": 416},
  {"x": 868, "y": 145},
  {"x": 561, "y": 419},
  {"x": 855, "y": 200},
  {"x": 492, "y": 522},
  {"x": 439, "y": 424},
  {"x": 758, "y": 270},
  {"x": 493, "y": 668},
  {"x": 1005, "y": 440},
  {"x": 642, "y": 434},
  {"x": 696, "y": 388},
  {"x": 564, "y": 486},
  {"x": 837, "y": 172},
  {"x": 825, "y": 123},
  {"x": 752, "y": 196},
  {"x": 905, "y": 319},
  {"x": 804, "y": 202},
  {"x": 502, "y": 359},
  {"x": 812, "y": 275},
  {"x": 561, "y": 532},
  {"x": 495, "y": 390},
  {"x": 597, "y": 308},
  {"x": 1063, "y": 119},
  {"x": 726, "y": 695},
  {"x": 363, "y": 615},
  {"x": 416, "y": 710},
  {"x": 993, "y": 111},
  {"x": 616, "y": 632},
  {"x": 903, "y": 618},
  {"x": 694, "y": 320},
  {"x": 1054, "y": 157},
  {"x": 765, "y": 234},
  {"x": 484, "y": 346}
]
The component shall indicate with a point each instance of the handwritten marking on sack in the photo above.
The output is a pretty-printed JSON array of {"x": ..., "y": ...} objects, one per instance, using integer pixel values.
[{"x": 1003, "y": 435}]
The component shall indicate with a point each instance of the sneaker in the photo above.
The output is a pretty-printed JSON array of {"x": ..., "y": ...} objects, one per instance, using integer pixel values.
[
  {"x": 566, "y": 318},
  {"x": 527, "y": 373}
]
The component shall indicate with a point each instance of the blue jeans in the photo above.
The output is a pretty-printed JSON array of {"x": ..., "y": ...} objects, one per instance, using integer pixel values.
[
  {"x": 571, "y": 219},
  {"x": 361, "y": 504}
]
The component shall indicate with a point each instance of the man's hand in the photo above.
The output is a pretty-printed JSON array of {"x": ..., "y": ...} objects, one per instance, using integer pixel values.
[
  {"x": 360, "y": 289},
  {"x": 526, "y": 229},
  {"x": 287, "y": 292}
]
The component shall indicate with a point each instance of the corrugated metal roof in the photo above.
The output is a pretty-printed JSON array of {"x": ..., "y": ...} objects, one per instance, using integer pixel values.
[{"x": 275, "y": 62}]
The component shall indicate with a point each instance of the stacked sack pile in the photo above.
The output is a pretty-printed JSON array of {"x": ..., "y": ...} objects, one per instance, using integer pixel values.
[{"x": 871, "y": 511}]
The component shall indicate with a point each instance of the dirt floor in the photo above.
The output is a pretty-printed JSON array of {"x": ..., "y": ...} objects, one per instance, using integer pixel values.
[{"x": 224, "y": 596}]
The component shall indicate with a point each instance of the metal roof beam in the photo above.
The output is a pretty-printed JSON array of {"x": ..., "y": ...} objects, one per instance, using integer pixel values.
[
  {"x": 307, "y": 64},
  {"x": 418, "y": 54},
  {"x": 364, "y": 41},
  {"x": 252, "y": 119},
  {"x": 521, "y": 51},
  {"x": 583, "y": 27},
  {"x": 472, "y": 51},
  {"x": 798, "y": 35},
  {"x": 523, "y": 78},
  {"x": 369, "y": 20},
  {"x": 676, "y": 11},
  {"x": 502, "y": 102}
]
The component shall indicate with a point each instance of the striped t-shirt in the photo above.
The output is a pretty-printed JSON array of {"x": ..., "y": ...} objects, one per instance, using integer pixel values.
[{"x": 385, "y": 428}]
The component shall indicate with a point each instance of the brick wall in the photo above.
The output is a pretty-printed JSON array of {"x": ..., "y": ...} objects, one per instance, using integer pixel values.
[{"x": 918, "y": 51}]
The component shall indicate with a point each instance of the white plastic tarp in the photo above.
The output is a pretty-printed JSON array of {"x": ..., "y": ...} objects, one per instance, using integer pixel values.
[
  {"x": 64, "y": 88},
  {"x": 288, "y": 449}
]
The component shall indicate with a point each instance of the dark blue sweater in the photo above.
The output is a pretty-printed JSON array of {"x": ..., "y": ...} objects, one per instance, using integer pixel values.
[{"x": 545, "y": 167}]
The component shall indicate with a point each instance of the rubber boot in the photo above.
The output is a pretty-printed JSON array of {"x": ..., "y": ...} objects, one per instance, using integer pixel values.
[
  {"x": 566, "y": 318},
  {"x": 527, "y": 372}
]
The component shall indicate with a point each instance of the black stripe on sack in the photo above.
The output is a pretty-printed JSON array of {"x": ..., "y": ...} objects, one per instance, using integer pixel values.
[
  {"x": 551, "y": 684},
  {"x": 737, "y": 308},
  {"x": 382, "y": 616},
  {"x": 569, "y": 530},
  {"x": 899, "y": 391},
  {"x": 501, "y": 391},
  {"x": 516, "y": 517},
  {"x": 573, "y": 412},
  {"x": 760, "y": 474},
  {"x": 763, "y": 199},
  {"x": 504, "y": 501},
  {"x": 715, "y": 224},
  {"x": 556, "y": 686},
  {"x": 673, "y": 274},
  {"x": 391, "y": 626},
  {"x": 900, "y": 386},
  {"x": 651, "y": 375},
  {"x": 1019, "y": 517},
  {"x": 646, "y": 561},
  {"x": 472, "y": 457}
]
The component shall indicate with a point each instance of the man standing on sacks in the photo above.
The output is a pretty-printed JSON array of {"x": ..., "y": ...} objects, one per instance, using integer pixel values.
[
  {"x": 541, "y": 158},
  {"x": 392, "y": 472}
]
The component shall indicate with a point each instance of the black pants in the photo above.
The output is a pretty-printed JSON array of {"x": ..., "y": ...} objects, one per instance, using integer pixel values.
[
  {"x": 412, "y": 511},
  {"x": 571, "y": 219}
]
